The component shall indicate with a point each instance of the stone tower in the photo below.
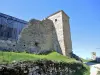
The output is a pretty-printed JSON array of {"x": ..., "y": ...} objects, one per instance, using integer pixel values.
[
  {"x": 93, "y": 55},
  {"x": 61, "y": 23},
  {"x": 52, "y": 33}
]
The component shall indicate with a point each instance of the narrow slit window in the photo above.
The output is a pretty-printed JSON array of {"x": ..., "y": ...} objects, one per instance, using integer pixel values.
[{"x": 55, "y": 20}]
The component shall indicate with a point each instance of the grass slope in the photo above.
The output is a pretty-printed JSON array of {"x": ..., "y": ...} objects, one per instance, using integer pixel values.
[
  {"x": 8, "y": 57},
  {"x": 86, "y": 60},
  {"x": 13, "y": 56}
]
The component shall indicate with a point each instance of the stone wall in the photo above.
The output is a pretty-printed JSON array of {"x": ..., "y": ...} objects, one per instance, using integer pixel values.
[
  {"x": 53, "y": 33},
  {"x": 43, "y": 67},
  {"x": 7, "y": 45},
  {"x": 37, "y": 36}
]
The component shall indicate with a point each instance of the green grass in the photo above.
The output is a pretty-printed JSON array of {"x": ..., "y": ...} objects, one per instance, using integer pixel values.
[
  {"x": 9, "y": 57},
  {"x": 86, "y": 60},
  {"x": 13, "y": 56}
]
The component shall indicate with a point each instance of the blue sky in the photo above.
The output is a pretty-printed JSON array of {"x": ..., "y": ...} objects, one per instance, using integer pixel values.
[{"x": 84, "y": 19}]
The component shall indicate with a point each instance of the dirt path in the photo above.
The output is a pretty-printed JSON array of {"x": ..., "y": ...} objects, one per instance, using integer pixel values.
[{"x": 94, "y": 68}]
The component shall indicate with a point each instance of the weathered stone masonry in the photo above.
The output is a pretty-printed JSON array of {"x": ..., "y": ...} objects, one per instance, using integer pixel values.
[
  {"x": 36, "y": 36},
  {"x": 53, "y": 33}
]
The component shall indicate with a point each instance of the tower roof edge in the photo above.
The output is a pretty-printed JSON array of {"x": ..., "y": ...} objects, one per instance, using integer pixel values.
[{"x": 58, "y": 12}]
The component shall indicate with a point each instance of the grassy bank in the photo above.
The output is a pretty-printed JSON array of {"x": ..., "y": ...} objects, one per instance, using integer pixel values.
[
  {"x": 8, "y": 57},
  {"x": 13, "y": 56},
  {"x": 86, "y": 60}
]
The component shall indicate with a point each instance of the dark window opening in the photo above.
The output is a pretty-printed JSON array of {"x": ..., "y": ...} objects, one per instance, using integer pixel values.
[
  {"x": 36, "y": 43},
  {"x": 55, "y": 20},
  {"x": 24, "y": 45}
]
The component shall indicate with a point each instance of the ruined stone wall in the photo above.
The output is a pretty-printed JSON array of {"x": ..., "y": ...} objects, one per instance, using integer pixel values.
[
  {"x": 53, "y": 33},
  {"x": 43, "y": 67},
  {"x": 36, "y": 36}
]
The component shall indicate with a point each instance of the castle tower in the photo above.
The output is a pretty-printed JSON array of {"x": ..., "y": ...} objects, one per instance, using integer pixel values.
[
  {"x": 53, "y": 33},
  {"x": 93, "y": 55},
  {"x": 62, "y": 27}
]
